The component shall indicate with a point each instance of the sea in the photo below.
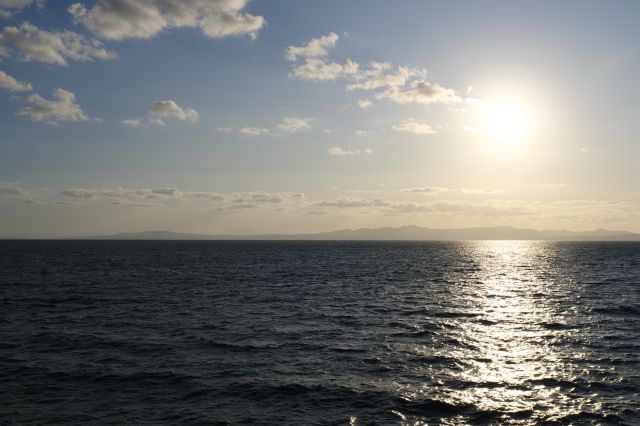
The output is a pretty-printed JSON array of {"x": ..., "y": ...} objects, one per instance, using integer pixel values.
[{"x": 319, "y": 333}]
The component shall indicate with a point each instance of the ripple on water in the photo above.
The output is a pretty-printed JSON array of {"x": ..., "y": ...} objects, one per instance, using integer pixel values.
[{"x": 319, "y": 332}]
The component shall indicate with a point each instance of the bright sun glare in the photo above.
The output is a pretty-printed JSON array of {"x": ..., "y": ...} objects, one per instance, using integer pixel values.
[{"x": 505, "y": 122}]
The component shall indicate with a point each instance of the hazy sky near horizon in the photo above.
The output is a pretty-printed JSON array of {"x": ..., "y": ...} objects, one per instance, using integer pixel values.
[{"x": 297, "y": 116}]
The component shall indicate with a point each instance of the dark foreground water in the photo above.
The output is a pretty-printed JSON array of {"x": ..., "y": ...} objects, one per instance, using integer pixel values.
[{"x": 319, "y": 333}]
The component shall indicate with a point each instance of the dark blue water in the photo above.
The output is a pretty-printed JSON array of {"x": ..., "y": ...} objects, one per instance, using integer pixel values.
[{"x": 319, "y": 333}]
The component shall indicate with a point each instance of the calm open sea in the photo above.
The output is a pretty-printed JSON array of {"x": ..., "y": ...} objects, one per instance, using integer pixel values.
[{"x": 305, "y": 333}]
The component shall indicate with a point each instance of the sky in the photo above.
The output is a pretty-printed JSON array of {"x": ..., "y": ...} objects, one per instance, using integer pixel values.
[{"x": 233, "y": 116}]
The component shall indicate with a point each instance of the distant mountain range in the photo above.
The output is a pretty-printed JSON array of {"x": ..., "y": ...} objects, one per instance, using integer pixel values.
[{"x": 404, "y": 233}]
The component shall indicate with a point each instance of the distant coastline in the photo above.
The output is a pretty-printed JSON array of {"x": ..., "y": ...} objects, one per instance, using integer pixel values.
[{"x": 405, "y": 233}]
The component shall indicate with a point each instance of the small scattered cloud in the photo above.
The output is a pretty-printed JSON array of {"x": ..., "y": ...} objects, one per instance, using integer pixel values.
[
  {"x": 122, "y": 19},
  {"x": 29, "y": 43},
  {"x": 382, "y": 75},
  {"x": 122, "y": 196},
  {"x": 254, "y": 131},
  {"x": 169, "y": 195},
  {"x": 12, "y": 85},
  {"x": 422, "y": 190},
  {"x": 314, "y": 48},
  {"x": 294, "y": 124},
  {"x": 161, "y": 110},
  {"x": 62, "y": 108},
  {"x": 315, "y": 69},
  {"x": 287, "y": 125},
  {"x": 14, "y": 189},
  {"x": 132, "y": 122},
  {"x": 340, "y": 152},
  {"x": 469, "y": 129},
  {"x": 349, "y": 203},
  {"x": 315, "y": 66},
  {"x": 361, "y": 132},
  {"x": 365, "y": 104},
  {"x": 412, "y": 126},
  {"x": 400, "y": 84},
  {"x": 420, "y": 91},
  {"x": 262, "y": 197}
]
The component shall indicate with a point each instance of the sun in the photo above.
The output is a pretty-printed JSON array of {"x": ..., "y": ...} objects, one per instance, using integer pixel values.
[{"x": 505, "y": 122}]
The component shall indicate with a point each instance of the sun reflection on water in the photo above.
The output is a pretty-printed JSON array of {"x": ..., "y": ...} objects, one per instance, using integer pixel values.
[{"x": 503, "y": 334}]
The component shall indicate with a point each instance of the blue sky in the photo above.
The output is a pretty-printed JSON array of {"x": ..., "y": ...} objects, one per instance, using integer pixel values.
[{"x": 289, "y": 116}]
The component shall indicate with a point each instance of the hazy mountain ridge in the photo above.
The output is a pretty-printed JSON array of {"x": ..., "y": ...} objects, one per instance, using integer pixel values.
[{"x": 405, "y": 233}]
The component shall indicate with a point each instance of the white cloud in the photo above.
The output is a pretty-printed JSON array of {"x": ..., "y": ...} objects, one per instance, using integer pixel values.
[
  {"x": 346, "y": 202},
  {"x": 29, "y": 43},
  {"x": 339, "y": 152},
  {"x": 360, "y": 132},
  {"x": 14, "y": 189},
  {"x": 315, "y": 48},
  {"x": 120, "y": 19},
  {"x": 121, "y": 195},
  {"x": 379, "y": 75},
  {"x": 8, "y": 7},
  {"x": 287, "y": 124},
  {"x": 62, "y": 108},
  {"x": 469, "y": 129},
  {"x": 422, "y": 190},
  {"x": 365, "y": 104},
  {"x": 294, "y": 124},
  {"x": 315, "y": 67},
  {"x": 132, "y": 122},
  {"x": 169, "y": 196},
  {"x": 208, "y": 196},
  {"x": 401, "y": 84},
  {"x": 170, "y": 109},
  {"x": 420, "y": 91},
  {"x": 11, "y": 84},
  {"x": 413, "y": 126},
  {"x": 172, "y": 192},
  {"x": 262, "y": 197},
  {"x": 254, "y": 131}
]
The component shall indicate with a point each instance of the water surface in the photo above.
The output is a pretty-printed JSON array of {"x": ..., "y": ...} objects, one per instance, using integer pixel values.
[{"x": 319, "y": 332}]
